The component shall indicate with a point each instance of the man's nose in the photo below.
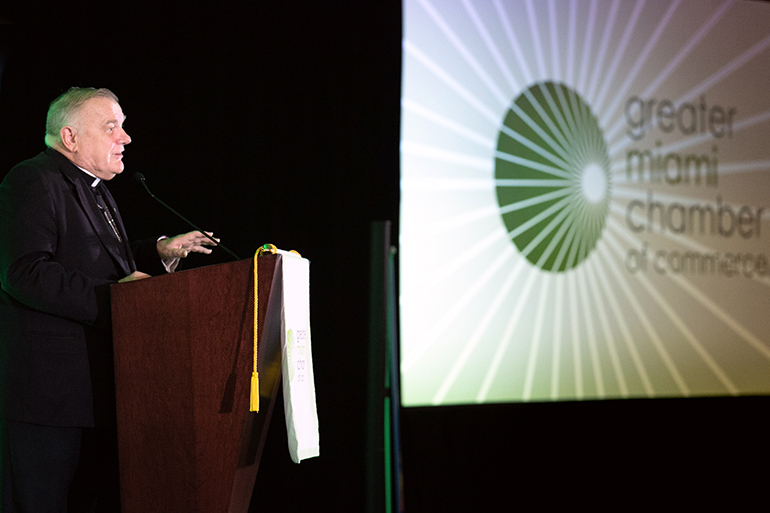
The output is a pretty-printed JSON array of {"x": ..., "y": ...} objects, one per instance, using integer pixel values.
[{"x": 124, "y": 137}]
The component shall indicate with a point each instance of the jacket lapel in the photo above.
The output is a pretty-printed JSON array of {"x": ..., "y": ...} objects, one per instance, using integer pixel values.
[
  {"x": 121, "y": 229},
  {"x": 91, "y": 211}
]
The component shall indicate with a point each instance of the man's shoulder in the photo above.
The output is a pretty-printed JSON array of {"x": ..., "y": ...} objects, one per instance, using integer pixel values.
[
  {"x": 46, "y": 165},
  {"x": 46, "y": 160}
]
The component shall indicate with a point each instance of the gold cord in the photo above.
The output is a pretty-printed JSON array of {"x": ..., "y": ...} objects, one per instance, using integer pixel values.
[{"x": 254, "y": 398}]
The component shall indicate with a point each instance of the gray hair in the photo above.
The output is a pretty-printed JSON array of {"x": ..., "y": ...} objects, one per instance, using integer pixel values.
[{"x": 64, "y": 109}]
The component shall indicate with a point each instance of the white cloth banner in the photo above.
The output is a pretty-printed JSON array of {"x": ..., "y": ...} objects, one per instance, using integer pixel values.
[{"x": 298, "y": 383}]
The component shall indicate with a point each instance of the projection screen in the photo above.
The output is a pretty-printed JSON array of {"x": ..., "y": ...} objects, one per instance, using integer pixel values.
[{"x": 584, "y": 190}]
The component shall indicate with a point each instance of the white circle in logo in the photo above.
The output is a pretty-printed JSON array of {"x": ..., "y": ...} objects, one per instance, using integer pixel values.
[{"x": 593, "y": 182}]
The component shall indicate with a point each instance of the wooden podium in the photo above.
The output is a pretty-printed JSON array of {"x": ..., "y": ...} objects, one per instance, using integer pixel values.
[{"x": 183, "y": 363}]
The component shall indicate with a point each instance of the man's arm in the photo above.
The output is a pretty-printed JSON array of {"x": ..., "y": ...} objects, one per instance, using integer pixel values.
[{"x": 29, "y": 271}]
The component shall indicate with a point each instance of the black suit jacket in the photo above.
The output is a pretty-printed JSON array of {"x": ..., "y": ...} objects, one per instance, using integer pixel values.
[{"x": 58, "y": 257}]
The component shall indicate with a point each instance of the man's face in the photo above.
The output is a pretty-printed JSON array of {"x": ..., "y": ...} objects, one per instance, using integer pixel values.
[{"x": 100, "y": 138}]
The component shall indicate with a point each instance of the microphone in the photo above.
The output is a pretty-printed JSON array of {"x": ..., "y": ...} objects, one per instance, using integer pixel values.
[{"x": 140, "y": 178}]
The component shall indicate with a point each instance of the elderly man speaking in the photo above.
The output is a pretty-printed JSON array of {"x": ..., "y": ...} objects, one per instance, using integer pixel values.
[{"x": 62, "y": 243}]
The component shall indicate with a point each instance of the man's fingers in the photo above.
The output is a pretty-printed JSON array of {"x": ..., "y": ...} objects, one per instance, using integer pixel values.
[
  {"x": 200, "y": 239},
  {"x": 136, "y": 275}
]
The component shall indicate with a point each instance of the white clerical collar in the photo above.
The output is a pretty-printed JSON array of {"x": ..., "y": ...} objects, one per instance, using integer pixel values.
[{"x": 96, "y": 180}]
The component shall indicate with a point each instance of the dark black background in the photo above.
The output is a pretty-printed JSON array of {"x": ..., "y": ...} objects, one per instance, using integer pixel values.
[{"x": 279, "y": 122}]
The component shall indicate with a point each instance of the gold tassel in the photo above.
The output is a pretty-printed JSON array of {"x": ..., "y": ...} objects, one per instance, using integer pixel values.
[
  {"x": 254, "y": 401},
  {"x": 254, "y": 397}
]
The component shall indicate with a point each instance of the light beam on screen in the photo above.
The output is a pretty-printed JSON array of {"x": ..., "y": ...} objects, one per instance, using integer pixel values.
[
  {"x": 557, "y": 338},
  {"x": 435, "y": 276},
  {"x": 571, "y": 37},
  {"x": 686, "y": 332},
  {"x": 620, "y": 51},
  {"x": 445, "y": 122},
  {"x": 574, "y": 331},
  {"x": 606, "y": 332},
  {"x": 489, "y": 43},
  {"x": 536, "y": 339},
  {"x": 744, "y": 333},
  {"x": 730, "y": 67},
  {"x": 512, "y": 40},
  {"x": 581, "y": 85},
  {"x": 637, "y": 315},
  {"x": 454, "y": 310},
  {"x": 619, "y": 316},
  {"x": 590, "y": 337},
  {"x": 604, "y": 43},
  {"x": 641, "y": 60},
  {"x": 504, "y": 341},
  {"x": 524, "y": 275},
  {"x": 478, "y": 333},
  {"x": 676, "y": 61},
  {"x": 720, "y": 75},
  {"x": 536, "y": 38},
  {"x": 748, "y": 337},
  {"x": 465, "y": 53},
  {"x": 688, "y": 336},
  {"x": 556, "y": 69},
  {"x": 453, "y": 84},
  {"x": 744, "y": 167}
]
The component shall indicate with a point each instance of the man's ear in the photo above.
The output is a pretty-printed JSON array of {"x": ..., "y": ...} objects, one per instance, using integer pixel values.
[{"x": 69, "y": 138}]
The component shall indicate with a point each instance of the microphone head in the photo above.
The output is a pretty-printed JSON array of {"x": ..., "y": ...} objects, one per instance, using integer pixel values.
[{"x": 139, "y": 177}]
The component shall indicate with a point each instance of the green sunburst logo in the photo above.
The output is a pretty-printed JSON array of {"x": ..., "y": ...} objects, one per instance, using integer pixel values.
[{"x": 552, "y": 177}]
